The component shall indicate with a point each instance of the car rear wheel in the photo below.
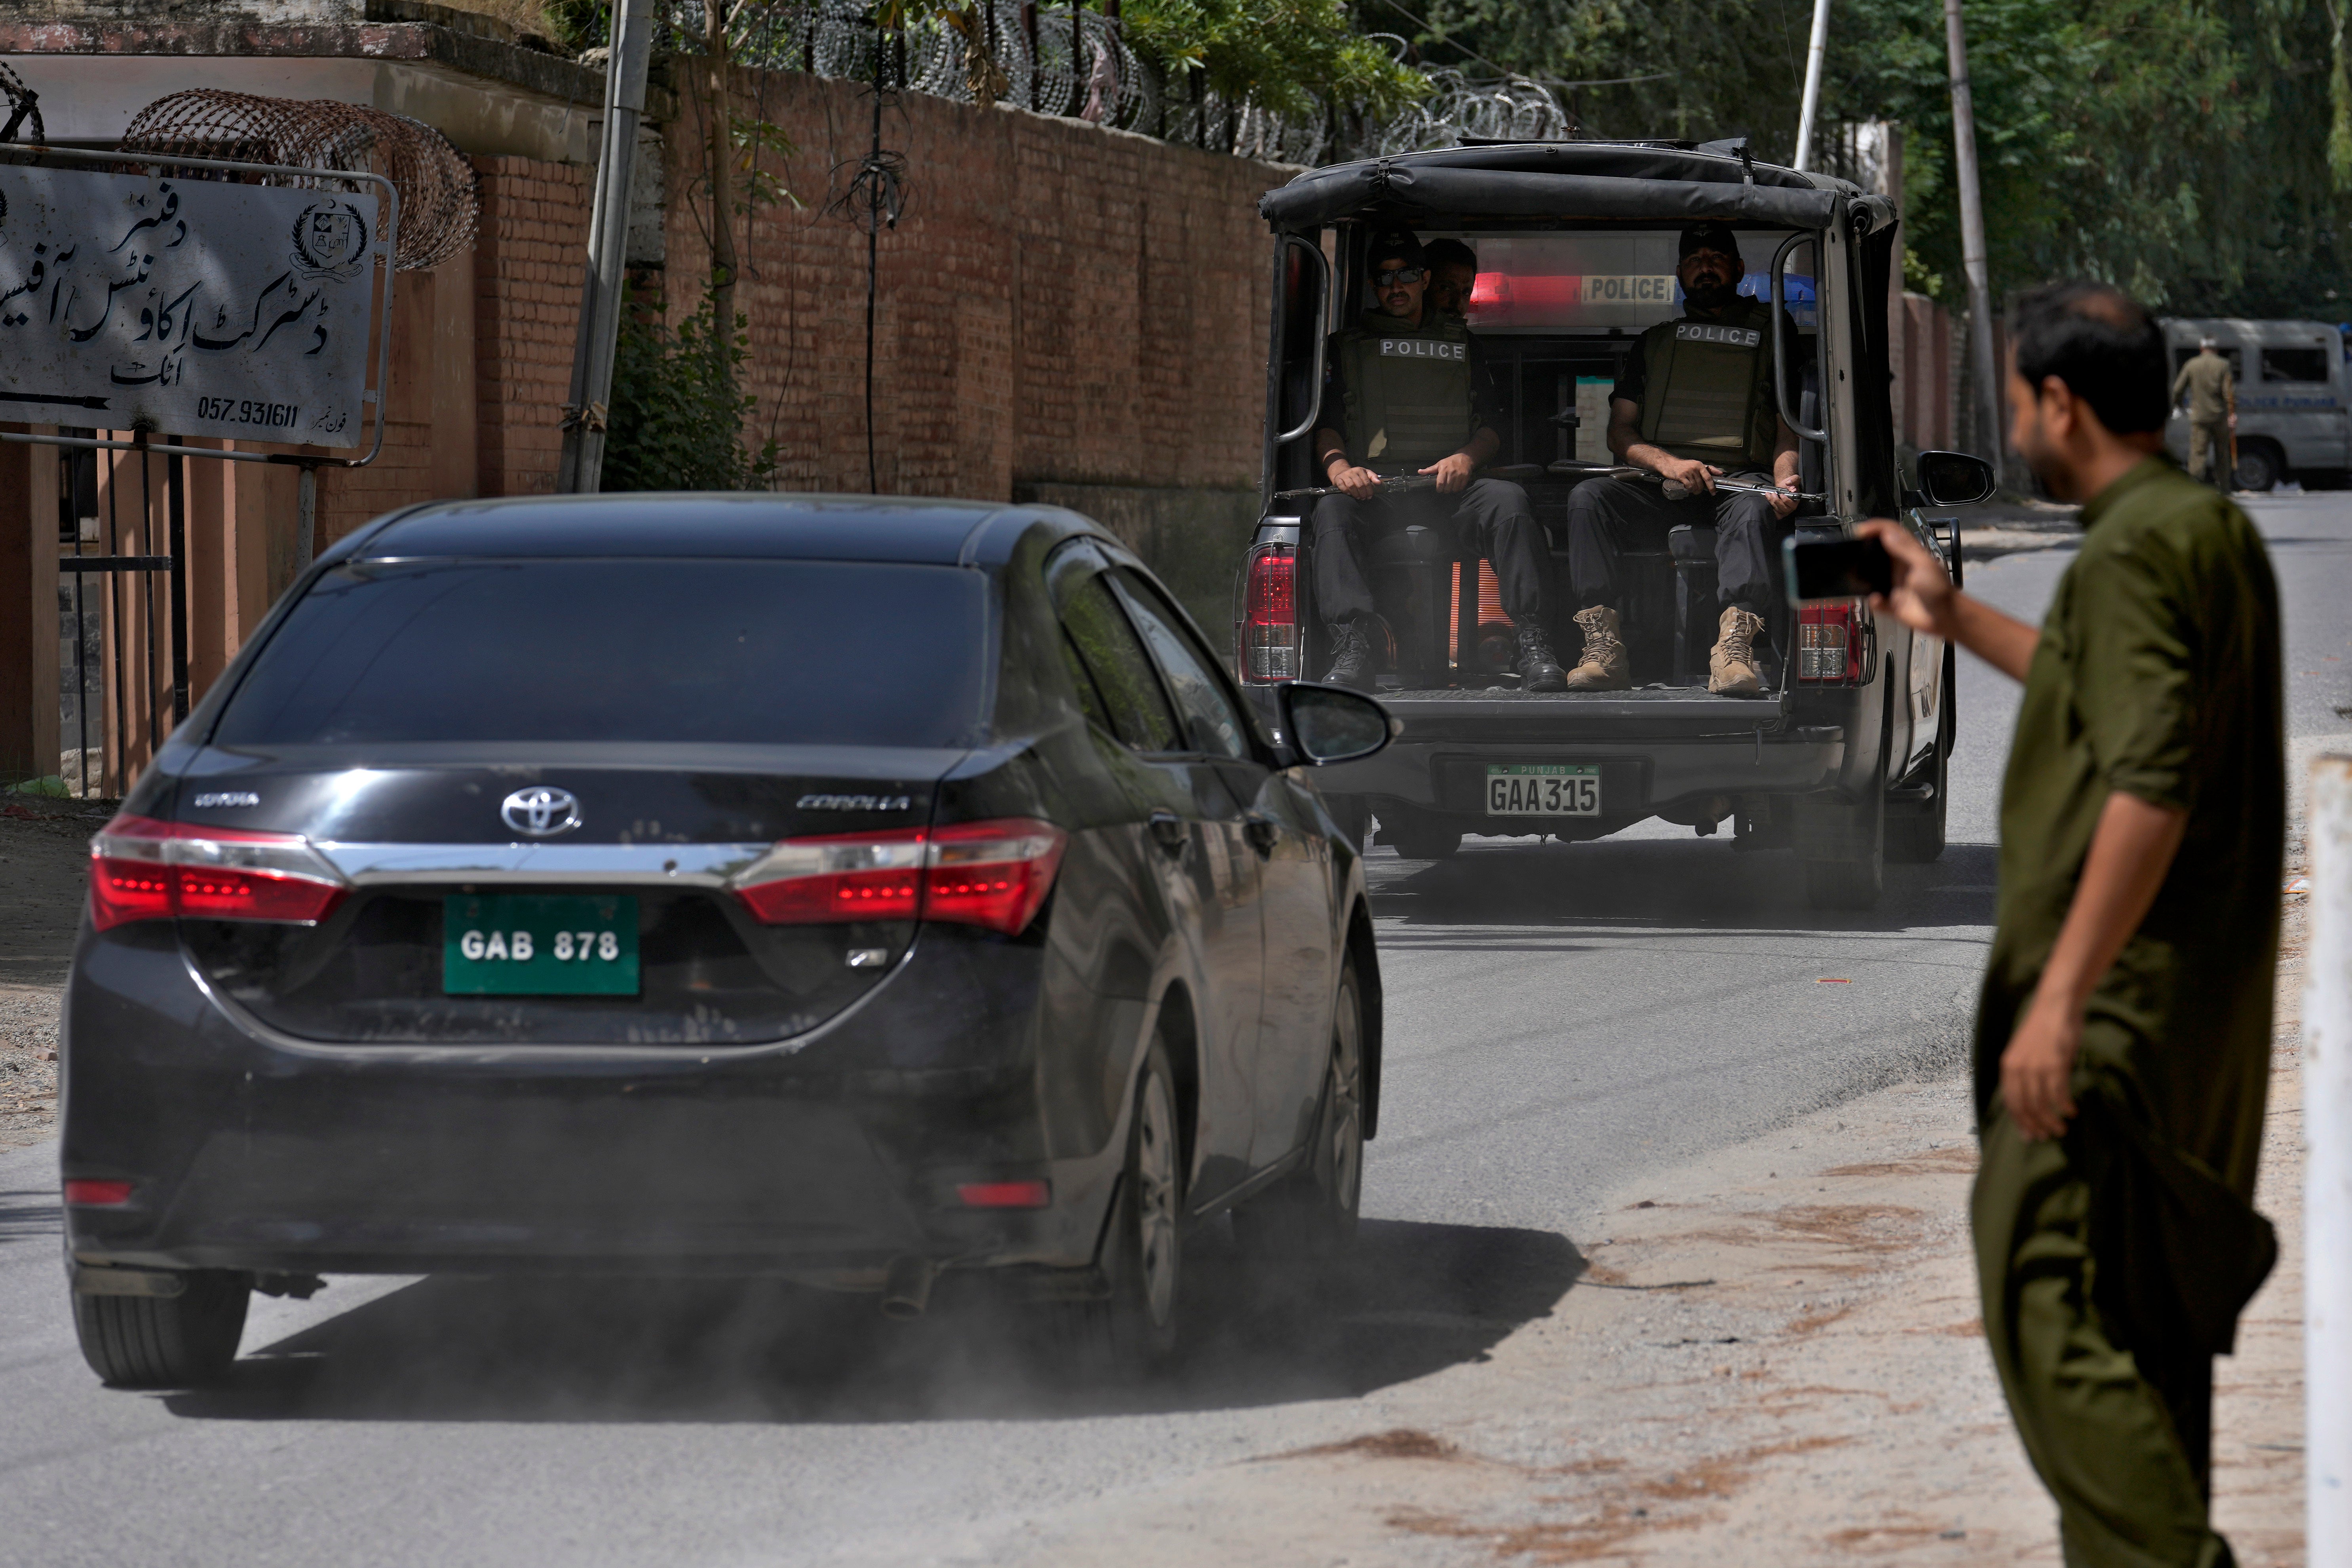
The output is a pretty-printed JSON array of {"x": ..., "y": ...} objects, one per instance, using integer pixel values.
[
  {"x": 1416, "y": 839},
  {"x": 164, "y": 1342},
  {"x": 2259, "y": 467},
  {"x": 1353, "y": 813},
  {"x": 1140, "y": 1324},
  {"x": 1914, "y": 828},
  {"x": 1312, "y": 1213}
]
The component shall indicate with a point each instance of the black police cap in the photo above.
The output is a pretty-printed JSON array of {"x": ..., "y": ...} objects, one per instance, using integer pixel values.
[
  {"x": 1701, "y": 236},
  {"x": 1395, "y": 244}
]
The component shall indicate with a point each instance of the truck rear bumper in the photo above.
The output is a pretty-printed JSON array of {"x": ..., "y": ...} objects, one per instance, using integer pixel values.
[{"x": 1440, "y": 762}]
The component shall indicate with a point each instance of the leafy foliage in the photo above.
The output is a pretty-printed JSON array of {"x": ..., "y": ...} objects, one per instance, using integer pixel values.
[
  {"x": 1287, "y": 54},
  {"x": 2196, "y": 152},
  {"x": 676, "y": 419}
]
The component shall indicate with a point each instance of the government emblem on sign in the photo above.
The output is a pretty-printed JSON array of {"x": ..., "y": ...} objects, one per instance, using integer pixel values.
[
  {"x": 540, "y": 812},
  {"x": 330, "y": 240}
]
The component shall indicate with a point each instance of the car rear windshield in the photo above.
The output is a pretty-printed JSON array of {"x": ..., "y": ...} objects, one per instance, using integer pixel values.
[{"x": 726, "y": 652}]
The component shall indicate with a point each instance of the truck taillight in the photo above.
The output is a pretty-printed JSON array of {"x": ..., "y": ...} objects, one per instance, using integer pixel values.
[
  {"x": 1830, "y": 646},
  {"x": 994, "y": 874},
  {"x": 1270, "y": 615},
  {"x": 142, "y": 869}
]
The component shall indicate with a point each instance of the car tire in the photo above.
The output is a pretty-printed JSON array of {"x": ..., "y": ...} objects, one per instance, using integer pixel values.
[
  {"x": 1139, "y": 1325},
  {"x": 1420, "y": 841},
  {"x": 1311, "y": 1215},
  {"x": 1916, "y": 830},
  {"x": 1353, "y": 813},
  {"x": 165, "y": 1341},
  {"x": 2258, "y": 467}
]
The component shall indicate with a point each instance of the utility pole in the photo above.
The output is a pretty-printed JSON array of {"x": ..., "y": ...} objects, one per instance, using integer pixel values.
[
  {"x": 2327, "y": 1174},
  {"x": 1986, "y": 375},
  {"x": 722, "y": 179},
  {"x": 608, "y": 244},
  {"x": 1813, "y": 52}
]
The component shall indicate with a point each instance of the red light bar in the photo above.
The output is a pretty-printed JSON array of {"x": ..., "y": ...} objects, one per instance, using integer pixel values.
[
  {"x": 1005, "y": 1195},
  {"x": 142, "y": 869},
  {"x": 994, "y": 874},
  {"x": 97, "y": 1194}
]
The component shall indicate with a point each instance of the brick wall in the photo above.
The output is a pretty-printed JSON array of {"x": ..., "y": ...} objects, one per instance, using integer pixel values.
[
  {"x": 1926, "y": 381},
  {"x": 527, "y": 254},
  {"x": 1058, "y": 304}
]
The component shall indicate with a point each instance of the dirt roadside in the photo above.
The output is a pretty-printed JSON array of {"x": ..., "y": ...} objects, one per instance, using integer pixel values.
[
  {"x": 44, "y": 864},
  {"x": 1774, "y": 1357}
]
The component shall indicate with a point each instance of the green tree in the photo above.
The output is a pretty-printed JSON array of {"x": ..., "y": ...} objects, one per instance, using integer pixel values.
[
  {"x": 1291, "y": 56},
  {"x": 676, "y": 420},
  {"x": 2195, "y": 152}
]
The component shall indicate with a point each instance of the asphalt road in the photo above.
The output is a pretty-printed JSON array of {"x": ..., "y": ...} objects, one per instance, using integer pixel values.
[{"x": 1564, "y": 1020}]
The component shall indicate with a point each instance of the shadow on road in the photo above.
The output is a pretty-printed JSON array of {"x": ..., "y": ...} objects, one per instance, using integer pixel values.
[
  {"x": 26, "y": 1213},
  {"x": 1665, "y": 883},
  {"x": 1413, "y": 1299}
]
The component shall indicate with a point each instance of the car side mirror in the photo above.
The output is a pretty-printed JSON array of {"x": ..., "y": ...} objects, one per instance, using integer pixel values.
[
  {"x": 1331, "y": 724},
  {"x": 1955, "y": 479}
]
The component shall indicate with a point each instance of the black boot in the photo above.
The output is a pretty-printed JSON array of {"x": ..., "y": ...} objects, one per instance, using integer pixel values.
[
  {"x": 1538, "y": 670},
  {"x": 1351, "y": 656}
]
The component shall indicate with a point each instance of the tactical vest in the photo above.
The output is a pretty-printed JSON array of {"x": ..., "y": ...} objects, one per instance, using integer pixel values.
[
  {"x": 1708, "y": 388},
  {"x": 1408, "y": 391}
]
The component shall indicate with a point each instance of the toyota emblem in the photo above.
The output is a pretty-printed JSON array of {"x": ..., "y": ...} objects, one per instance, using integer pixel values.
[{"x": 541, "y": 812}]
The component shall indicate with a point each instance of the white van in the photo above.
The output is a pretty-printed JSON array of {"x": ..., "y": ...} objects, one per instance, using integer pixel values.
[{"x": 2294, "y": 398}]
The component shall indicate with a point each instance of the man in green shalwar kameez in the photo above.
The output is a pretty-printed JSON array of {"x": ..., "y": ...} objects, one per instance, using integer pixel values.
[{"x": 2123, "y": 1037}]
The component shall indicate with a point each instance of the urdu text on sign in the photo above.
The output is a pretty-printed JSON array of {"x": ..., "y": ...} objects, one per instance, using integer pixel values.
[{"x": 187, "y": 307}]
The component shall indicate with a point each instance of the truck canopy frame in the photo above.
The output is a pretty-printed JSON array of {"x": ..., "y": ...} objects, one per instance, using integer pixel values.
[{"x": 1631, "y": 180}]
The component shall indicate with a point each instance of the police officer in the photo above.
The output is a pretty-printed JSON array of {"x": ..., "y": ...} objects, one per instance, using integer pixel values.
[
  {"x": 1453, "y": 273},
  {"x": 1696, "y": 402},
  {"x": 2212, "y": 398},
  {"x": 1407, "y": 381}
]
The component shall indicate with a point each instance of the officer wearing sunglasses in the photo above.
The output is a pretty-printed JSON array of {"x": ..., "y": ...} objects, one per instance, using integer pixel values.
[{"x": 1408, "y": 383}]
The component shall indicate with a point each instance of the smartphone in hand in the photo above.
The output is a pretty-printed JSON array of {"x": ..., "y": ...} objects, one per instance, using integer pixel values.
[{"x": 1828, "y": 569}]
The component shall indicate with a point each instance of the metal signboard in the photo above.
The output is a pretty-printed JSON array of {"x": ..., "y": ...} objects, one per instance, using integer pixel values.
[{"x": 196, "y": 307}]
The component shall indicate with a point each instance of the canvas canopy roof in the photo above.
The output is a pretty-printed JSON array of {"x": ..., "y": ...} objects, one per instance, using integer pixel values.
[{"x": 1581, "y": 179}]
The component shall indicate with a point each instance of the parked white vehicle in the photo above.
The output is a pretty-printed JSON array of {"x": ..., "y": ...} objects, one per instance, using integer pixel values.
[{"x": 2294, "y": 398}]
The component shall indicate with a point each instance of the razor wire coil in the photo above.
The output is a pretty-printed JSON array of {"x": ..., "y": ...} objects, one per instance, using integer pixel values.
[
  {"x": 1105, "y": 80},
  {"x": 438, "y": 206}
]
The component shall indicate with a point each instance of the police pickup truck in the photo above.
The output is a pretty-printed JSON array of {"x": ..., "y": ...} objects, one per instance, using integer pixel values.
[{"x": 1841, "y": 759}]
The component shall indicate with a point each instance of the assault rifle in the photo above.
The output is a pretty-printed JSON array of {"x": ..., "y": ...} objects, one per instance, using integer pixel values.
[
  {"x": 1675, "y": 489},
  {"x": 1390, "y": 486},
  {"x": 1564, "y": 469}
]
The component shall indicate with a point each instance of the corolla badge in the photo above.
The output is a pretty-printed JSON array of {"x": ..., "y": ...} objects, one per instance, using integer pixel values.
[{"x": 541, "y": 812}]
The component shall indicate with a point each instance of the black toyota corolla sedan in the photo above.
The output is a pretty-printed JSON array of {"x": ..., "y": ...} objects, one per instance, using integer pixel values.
[{"x": 841, "y": 890}]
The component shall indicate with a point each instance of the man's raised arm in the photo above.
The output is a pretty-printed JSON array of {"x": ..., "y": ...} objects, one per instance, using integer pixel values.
[{"x": 1925, "y": 600}]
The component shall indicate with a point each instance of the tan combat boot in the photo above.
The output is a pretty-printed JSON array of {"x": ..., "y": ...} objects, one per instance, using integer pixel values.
[
  {"x": 1602, "y": 668},
  {"x": 1731, "y": 664}
]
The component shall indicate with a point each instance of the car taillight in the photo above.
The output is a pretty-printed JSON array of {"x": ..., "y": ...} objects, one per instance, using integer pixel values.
[
  {"x": 1270, "y": 615},
  {"x": 994, "y": 874},
  {"x": 840, "y": 877},
  {"x": 1005, "y": 1195},
  {"x": 142, "y": 869},
  {"x": 1829, "y": 645},
  {"x": 97, "y": 1194}
]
